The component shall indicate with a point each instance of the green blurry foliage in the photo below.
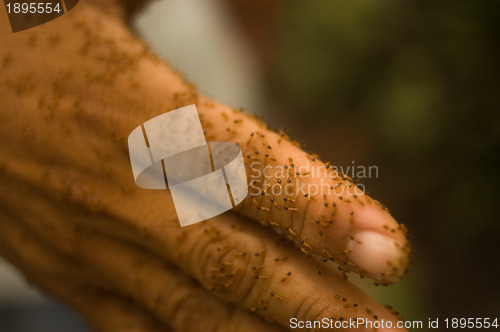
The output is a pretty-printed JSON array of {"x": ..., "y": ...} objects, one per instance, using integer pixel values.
[{"x": 419, "y": 83}]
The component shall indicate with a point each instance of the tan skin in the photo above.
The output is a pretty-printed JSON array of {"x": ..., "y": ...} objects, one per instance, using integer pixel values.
[{"x": 75, "y": 223}]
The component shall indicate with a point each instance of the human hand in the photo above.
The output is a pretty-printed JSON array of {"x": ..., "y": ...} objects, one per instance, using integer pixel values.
[{"x": 76, "y": 224}]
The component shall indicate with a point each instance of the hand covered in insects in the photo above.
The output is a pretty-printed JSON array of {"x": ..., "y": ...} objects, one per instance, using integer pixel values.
[{"x": 74, "y": 222}]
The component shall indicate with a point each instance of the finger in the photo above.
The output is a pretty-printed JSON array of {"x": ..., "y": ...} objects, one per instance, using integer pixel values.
[
  {"x": 103, "y": 310},
  {"x": 319, "y": 208},
  {"x": 171, "y": 296},
  {"x": 236, "y": 260}
]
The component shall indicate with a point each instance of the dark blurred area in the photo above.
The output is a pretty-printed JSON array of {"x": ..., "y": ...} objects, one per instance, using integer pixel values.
[
  {"x": 46, "y": 317},
  {"x": 413, "y": 88}
]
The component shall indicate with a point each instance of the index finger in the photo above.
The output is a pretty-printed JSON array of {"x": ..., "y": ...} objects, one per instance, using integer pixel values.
[{"x": 321, "y": 210}]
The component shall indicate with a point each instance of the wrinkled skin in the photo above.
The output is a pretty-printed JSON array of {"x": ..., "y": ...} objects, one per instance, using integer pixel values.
[{"x": 75, "y": 223}]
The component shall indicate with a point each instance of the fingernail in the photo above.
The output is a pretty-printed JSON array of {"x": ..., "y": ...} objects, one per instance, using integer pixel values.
[{"x": 376, "y": 254}]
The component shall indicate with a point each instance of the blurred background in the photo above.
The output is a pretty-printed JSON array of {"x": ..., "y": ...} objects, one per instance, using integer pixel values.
[{"x": 411, "y": 87}]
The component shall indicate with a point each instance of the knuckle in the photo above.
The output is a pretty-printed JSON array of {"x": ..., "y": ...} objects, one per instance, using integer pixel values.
[
  {"x": 189, "y": 308},
  {"x": 228, "y": 268}
]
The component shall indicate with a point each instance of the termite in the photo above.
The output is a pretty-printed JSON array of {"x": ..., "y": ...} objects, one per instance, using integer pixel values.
[
  {"x": 304, "y": 251},
  {"x": 275, "y": 296},
  {"x": 255, "y": 150},
  {"x": 291, "y": 231},
  {"x": 282, "y": 136},
  {"x": 274, "y": 223},
  {"x": 305, "y": 244},
  {"x": 256, "y": 203}
]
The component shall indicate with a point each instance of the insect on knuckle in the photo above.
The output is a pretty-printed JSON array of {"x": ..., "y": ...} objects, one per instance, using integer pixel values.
[{"x": 228, "y": 271}]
